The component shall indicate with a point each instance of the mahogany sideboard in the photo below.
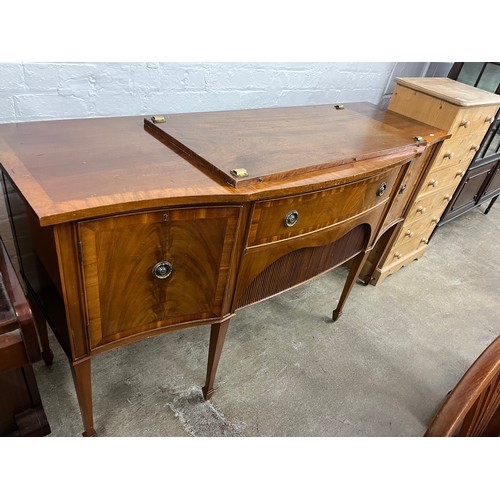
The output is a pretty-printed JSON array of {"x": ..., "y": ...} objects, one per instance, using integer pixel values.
[{"x": 135, "y": 226}]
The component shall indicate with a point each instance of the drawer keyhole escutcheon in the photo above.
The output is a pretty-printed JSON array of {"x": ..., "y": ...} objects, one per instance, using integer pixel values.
[
  {"x": 403, "y": 189},
  {"x": 291, "y": 218},
  {"x": 162, "y": 270},
  {"x": 382, "y": 189}
]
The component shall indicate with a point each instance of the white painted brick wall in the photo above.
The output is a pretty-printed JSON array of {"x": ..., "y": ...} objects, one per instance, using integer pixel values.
[{"x": 44, "y": 91}]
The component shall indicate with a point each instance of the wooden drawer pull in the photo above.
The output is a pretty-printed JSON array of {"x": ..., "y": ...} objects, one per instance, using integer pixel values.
[
  {"x": 460, "y": 173},
  {"x": 398, "y": 255},
  {"x": 449, "y": 154},
  {"x": 162, "y": 270},
  {"x": 435, "y": 220},
  {"x": 474, "y": 147},
  {"x": 433, "y": 182},
  {"x": 489, "y": 119},
  {"x": 446, "y": 197},
  {"x": 421, "y": 209},
  {"x": 465, "y": 123},
  {"x": 424, "y": 240},
  {"x": 409, "y": 233}
]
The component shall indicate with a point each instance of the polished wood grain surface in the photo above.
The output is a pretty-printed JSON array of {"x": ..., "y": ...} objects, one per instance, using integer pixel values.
[
  {"x": 473, "y": 407},
  {"x": 317, "y": 210},
  {"x": 74, "y": 169},
  {"x": 123, "y": 295},
  {"x": 269, "y": 143}
]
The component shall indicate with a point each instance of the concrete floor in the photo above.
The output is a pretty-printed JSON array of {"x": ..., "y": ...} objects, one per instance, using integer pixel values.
[{"x": 383, "y": 369}]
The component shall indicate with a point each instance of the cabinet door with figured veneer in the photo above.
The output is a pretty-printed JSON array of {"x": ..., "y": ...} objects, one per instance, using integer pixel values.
[{"x": 154, "y": 269}]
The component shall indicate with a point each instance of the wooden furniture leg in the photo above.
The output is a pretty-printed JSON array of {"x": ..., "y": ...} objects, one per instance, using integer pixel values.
[
  {"x": 492, "y": 202},
  {"x": 217, "y": 335},
  {"x": 83, "y": 384},
  {"x": 43, "y": 334},
  {"x": 354, "y": 271}
]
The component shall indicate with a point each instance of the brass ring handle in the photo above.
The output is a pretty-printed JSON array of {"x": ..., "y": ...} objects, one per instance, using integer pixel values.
[
  {"x": 291, "y": 218},
  {"x": 449, "y": 154},
  {"x": 433, "y": 182},
  {"x": 162, "y": 270},
  {"x": 382, "y": 189},
  {"x": 465, "y": 123}
]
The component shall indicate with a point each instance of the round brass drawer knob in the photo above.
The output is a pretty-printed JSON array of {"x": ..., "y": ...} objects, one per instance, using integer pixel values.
[
  {"x": 291, "y": 218},
  {"x": 162, "y": 270},
  {"x": 465, "y": 123},
  {"x": 409, "y": 233},
  {"x": 421, "y": 209},
  {"x": 449, "y": 154}
]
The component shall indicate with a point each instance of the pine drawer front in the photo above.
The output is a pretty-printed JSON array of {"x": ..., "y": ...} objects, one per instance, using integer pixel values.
[
  {"x": 473, "y": 120},
  {"x": 457, "y": 152},
  {"x": 434, "y": 204},
  {"x": 401, "y": 253},
  {"x": 150, "y": 270},
  {"x": 283, "y": 218},
  {"x": 417, "y": 230},
  {"x": 445, "y": 178}
]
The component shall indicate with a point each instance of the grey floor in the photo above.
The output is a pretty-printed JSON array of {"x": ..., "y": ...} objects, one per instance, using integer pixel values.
[{"x": 286, "y": 370}]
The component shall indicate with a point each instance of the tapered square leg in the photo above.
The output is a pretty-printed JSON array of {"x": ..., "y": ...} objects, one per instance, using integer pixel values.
[
  {"x": 83, "y": 384},
  {"x": 217, "y": 336},
  {"x": 357, "y": 264}
]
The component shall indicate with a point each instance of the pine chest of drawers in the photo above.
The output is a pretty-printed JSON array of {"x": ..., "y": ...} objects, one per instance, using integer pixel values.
[{"x": 465, "y": 113}]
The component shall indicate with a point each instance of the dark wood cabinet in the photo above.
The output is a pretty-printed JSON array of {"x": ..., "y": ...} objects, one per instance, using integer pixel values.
[
  {"x": 21, "y": 410},
  {"x": 481, "y": 183}
]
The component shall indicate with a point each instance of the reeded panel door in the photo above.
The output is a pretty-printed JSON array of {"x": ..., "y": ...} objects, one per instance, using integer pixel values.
[{"x": 150, "y": 270}]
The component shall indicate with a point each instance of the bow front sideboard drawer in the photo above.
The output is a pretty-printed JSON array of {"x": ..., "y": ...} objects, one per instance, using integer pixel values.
[{"x": 279, "y": 219}]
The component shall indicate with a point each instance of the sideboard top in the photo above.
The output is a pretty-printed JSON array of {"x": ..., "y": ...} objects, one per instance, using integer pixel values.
[
  {"x": 451, "y": 91},
  {"x": 71, "y": 170},
  {"x": 245, "y": 147}
]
